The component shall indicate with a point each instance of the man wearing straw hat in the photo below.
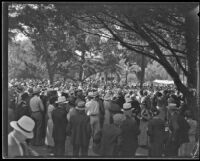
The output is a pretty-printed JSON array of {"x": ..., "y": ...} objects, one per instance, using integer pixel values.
[
  {"x": 59, "y": 117},
  {"x": 37, "y": 107},
  {"x": 23, "y": 129},
  {"x": 80, "y": 130}
]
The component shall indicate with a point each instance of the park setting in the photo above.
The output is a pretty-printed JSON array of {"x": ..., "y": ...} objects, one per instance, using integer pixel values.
[{"x": 102, "y": 80}]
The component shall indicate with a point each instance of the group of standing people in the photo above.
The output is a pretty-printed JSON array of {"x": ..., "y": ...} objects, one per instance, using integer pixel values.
[{"x": 118, "y": 123}]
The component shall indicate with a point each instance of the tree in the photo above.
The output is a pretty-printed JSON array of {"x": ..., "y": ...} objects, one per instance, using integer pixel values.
[
  {"x": 47, "y": 32},
  {"x": 163, "y": 29}
]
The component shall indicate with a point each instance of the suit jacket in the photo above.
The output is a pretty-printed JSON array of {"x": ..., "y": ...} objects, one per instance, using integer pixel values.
[
  {"x": 180, "y": 128},
  {"x": 59, "y": 117},
  {"x": 156, "y": 130},
  {"x": 110, "y": 140},
  {"x": 129, "y": 136},
  {"x": 79, "y": 128}
]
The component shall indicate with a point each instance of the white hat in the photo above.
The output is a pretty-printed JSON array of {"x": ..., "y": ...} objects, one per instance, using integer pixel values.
[
  {"x": 25, "y": 125},
  {"x": 61, "y": 99},
  {"x": 127, "y": 106}
]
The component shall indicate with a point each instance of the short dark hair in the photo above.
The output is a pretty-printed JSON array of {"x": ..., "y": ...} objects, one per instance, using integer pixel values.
[{"x": 24, "y": 96}]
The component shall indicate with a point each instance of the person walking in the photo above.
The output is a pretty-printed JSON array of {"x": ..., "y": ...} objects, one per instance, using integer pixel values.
[
  {"x": 156, "y": 132},
  {"x": 129, "y": 133},
  {"x": 178, "y": 128},
  {"x": 80, "y": 130},
  {"x": 22, "y": 130},
  {"x": 59, "y": 118},
  {"x": 110, "y": 137},
  {"x": 37, "y": 107}
]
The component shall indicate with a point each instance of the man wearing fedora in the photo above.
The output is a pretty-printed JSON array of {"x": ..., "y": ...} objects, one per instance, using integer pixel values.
[
  {"x": 23, "y": 129},
  {"x": 156, "y": 133},
  {"x": 59, "y": 117},
  {"x": 178, "y": 128},
  {"x": 80, "y": 130},
  {"x": 37, "y": 107},
  {"x": 129, "y": 133}
]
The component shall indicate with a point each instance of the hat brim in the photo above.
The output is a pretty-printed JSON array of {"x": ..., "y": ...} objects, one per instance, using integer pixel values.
[
  {"x": 14, "y": 125},
  {"x": 172, "y": 108},
  {"x": 62, "y": 102},
  {"x": 108, "y": 99},
  {"x": 80, "y": 108},
  {"x": 129, "y": 109},
  {"x": 36, "y": 92}
]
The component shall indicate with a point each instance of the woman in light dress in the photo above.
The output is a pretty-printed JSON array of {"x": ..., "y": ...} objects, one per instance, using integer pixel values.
[{"x": 49, "y": 139}]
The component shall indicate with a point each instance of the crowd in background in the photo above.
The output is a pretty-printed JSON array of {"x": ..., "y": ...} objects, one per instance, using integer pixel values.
[{"x": 118, "y": 119}]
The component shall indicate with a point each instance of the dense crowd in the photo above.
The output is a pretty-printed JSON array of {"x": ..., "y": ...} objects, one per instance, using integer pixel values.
[{"x": 118, "y": 119}]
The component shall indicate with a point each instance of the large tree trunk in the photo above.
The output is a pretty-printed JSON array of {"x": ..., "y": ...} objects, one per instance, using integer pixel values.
[
  {"x": 142, "y": 71},
  {"x": 118, "y": 77},
  {"x": 126, "y": 75},
  {"x": 50, "y": 72},
  {"x": 191, "y": 48}
]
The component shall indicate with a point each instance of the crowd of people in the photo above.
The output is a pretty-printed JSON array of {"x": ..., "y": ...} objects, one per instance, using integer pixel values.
[{"x": 118, "y": 119}]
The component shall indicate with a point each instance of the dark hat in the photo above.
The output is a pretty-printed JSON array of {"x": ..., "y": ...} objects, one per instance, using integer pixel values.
[{"x": 80, "y": 105}]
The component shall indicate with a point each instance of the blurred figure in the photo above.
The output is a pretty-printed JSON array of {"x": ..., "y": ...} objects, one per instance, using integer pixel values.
[
  {"x": 49, "y": 139},
  {"x": 186, "y": 148},
  {"x": 178, "y": 128},
  {"x": 22, "y": 108},
  {"x": 80, "y": 130},
  {"x": 59, "y": 117},
  {"x": 110, "y": 137},
  {"x": 129, "y": 133},
  {"x": 107, "y": 105},
  {"x": 156, "y": 132}
]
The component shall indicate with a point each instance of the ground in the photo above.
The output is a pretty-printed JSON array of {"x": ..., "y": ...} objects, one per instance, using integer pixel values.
[{"x": 43, "y": 151}]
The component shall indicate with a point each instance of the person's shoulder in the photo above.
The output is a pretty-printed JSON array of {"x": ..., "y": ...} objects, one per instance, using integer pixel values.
[{"x": 11, "y": 139}]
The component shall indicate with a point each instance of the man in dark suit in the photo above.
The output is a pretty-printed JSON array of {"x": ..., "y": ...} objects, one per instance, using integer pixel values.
[
  {"x": 156, "y": 132},
  {"x": 129, "y": 133},
  {"x": 59, "y": 117},
  {"x": 80, "y": 130},
  {"x": 179, "y": 128}
]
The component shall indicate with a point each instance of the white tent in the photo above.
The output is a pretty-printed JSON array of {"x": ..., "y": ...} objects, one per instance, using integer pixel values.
[{"x": 163, "y": 81}]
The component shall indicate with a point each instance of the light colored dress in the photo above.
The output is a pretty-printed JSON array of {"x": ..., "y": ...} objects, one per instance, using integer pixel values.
[
  {"x": 107, "y": 106},
  {"x": 49, "y": 139}
]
